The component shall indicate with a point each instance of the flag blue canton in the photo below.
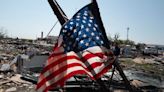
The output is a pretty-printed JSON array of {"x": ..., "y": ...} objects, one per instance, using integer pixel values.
[{"x": 81, "y": 32}]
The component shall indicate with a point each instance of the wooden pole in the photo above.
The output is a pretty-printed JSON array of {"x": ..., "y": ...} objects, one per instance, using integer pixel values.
[
  {"x": 127, "y": 83},
  {"x": 116, "y": 64},
  {"x": 61, "y": 16},
  {"x": 96, "y": 14},
  {"x": 62, "y": 19}
]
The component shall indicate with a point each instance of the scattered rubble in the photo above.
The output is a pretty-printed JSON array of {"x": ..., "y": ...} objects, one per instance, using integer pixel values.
[
  {"x": 138, "y": 83},
  {"x": 15, "y": 57},
  {"x": 13, "y": 83},
  {"x": 22, "y": 61},
  {"x": 150, "y": 60}
]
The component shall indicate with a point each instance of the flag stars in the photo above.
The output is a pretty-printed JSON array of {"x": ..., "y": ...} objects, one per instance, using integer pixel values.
[
  {"x": 97, "y": 37},
  {"x": 83, "y": 21},
  {"x": 79, "y": 32},
  {"x": 86, "y": 14},
  {"x": 102, "y": 42},
  {"x": 71, "y": 23},
  {"x": 83, "y": 31},
  {"x": 84, "y": 18},
  {"x": 78, "y": 16},
  {"x": 91, "y": 17},
  {"x": 64, "y": 31},
  {"x": 94, "y": 43},
  {"x": 84, "y": 35},
  {"x": 66, "y": 27},
  {"x": 82, "y": 41},
  {"x": 89, "y": 25},
  {"x": 77, "y": 24},
  {"x": 86, "y": 44},
  {"x": 94, "y": 28},
  {"x": 91, "y": 21},
  {"x": 82, "y": 26},
  {"x": 90, "y": 39},
  {"x": 70, "y": 27},
  {"x": 95, "y": 25},
  {"x": 85, "y": 11},
  {"x": 92, "y": 34},
  {"x": 77, "y": 19},
  {"x": 77, "y": 39},
  {"x": 74, "y": 30},
  {"x": 87, "y": 29}
]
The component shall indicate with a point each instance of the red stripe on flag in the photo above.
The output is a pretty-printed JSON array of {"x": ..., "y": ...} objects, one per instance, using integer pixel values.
[
  {"x": 55, "y": 60},
  {"x": 58, "y": 62},
  {"x": 61, "y": 81},
  {"x": 90, "y": 55},
  {"x": 104, "y": 70},
  {"x": 55, "y": 73},
  {"x": 96, "y": 64}
]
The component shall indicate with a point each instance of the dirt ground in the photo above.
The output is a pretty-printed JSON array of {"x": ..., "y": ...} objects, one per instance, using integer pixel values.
[{"x": 11, "y": 82}]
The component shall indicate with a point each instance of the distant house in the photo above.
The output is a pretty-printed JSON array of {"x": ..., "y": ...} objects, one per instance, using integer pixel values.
[
  {"x": 47, "y": 40},
  {"x": 154, "y": 49}
]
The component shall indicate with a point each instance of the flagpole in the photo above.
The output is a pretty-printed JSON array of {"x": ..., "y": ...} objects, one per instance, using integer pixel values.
[
  {"x": 96, "y": 14},
  {"x": 99, "y": 22},
  {"x": 116, "y": 64},
  {"x": 62, "y": 19},
  {"x": 61, "y": 16}
]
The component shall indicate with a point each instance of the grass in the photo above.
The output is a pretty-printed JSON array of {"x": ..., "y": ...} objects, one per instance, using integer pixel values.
[{"x": 156, "y": 69}]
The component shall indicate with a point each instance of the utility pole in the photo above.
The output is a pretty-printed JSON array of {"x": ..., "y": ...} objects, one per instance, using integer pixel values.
[
  {"x": 128, "y": 33},
  {"x": 116, "y": 64}
]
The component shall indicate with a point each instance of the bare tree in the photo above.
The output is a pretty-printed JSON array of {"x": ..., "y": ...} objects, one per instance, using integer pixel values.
[
  {"x": 116, "y": 37},
  {"x": 3, "y": 32}
]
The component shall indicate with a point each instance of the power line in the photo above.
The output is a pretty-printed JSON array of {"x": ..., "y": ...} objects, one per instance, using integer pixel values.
[{"x": 52, "y": 28}]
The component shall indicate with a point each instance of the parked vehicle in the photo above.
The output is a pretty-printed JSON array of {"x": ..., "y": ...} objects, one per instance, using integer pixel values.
[
  {"x": 160, "y": 50},
  {"x": 150, "y": 50}
]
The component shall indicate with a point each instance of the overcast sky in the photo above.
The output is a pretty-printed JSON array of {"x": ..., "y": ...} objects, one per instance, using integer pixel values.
[{"x": 28, "y": 18}]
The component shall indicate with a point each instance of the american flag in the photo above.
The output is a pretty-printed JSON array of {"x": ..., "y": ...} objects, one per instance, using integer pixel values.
[{"x": 81, "y": 49}]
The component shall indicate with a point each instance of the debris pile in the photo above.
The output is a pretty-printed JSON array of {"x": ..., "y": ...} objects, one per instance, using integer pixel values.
[
  {"x": 17, "y": 58},
  {"x": 10, "y": 82},
  {"x": 21, "y": 61}
]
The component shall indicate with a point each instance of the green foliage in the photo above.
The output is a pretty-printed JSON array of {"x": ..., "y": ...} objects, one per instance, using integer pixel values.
[
  {"x": 140, "y": 46},
  {"x": 149, "y": 68},
  {"x": 119, "y": 41}
]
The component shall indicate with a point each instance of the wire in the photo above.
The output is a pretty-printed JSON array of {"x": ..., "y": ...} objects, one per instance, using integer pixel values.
[{"x": 52, "y": 28}]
